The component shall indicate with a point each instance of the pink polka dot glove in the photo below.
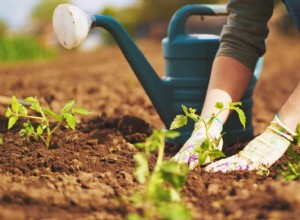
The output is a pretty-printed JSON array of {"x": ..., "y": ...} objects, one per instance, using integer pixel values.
[
  {"x": 261, "y": 153},
  {"x": 187, "y": 153}
]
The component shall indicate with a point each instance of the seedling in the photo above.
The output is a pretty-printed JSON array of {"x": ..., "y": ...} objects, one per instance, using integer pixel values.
[
  {"x": 161, "y": 197},
  {"x": 1, "y": 139},
  {"x": 291, "y": 170},
  {"x": 44, "y": 117},
  {"x": 208, "y": 149}
]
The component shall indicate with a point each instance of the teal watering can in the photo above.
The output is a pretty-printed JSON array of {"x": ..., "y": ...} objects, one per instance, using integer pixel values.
[{"x": 188, "y": 62}]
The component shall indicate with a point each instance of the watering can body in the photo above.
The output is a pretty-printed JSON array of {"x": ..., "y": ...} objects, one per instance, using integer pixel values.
[{"x": 188, "y": 62}]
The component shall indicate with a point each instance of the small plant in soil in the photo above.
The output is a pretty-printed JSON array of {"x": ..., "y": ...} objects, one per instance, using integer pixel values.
[
  {"x": 291, "y": 170},
  {"x": 1, "y": 139},
  {"x": 209, "y": 147},
  {"x": 47, "y": 121},
  {"x": 160, "y": 197}
]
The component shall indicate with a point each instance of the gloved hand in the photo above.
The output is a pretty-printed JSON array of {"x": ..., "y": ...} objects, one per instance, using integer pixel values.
[
  {"x": 187, "y": 153},
  {"x": 261, "y": 153}
]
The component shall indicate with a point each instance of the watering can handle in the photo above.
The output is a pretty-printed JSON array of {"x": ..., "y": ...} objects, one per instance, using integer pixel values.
[{"x": 177, "y": 24}]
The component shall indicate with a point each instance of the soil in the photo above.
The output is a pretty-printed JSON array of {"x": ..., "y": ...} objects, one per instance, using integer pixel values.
[{"x": 86, "y": 172}]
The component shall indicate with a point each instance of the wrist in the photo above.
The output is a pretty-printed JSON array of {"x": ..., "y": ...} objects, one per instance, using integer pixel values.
[{"x": 280, "y": 128}]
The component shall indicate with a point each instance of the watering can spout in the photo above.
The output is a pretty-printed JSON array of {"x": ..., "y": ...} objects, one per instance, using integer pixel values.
[{"x": 72, "y": 25}]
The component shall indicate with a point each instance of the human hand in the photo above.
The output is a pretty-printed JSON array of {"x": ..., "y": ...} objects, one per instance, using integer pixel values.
[
  {"x": 261, "y": 153},
  {"x": 187, "y": 153}
]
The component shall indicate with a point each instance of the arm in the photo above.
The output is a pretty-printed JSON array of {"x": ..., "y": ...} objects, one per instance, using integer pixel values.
[{"x": 242, "y": 43}]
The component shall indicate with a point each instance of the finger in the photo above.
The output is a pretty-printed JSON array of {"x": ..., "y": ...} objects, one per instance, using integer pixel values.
[
  {"x": 229, "y": 164},
  {"x": 193, "y": 161}
]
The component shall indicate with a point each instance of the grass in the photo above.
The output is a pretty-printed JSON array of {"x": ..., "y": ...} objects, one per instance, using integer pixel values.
[{"x": 22, "y": 48}]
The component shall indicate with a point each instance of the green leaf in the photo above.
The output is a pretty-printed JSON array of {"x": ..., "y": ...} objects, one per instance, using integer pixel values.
[
  {"x": 142, "y": 169},
  {"x": 58, "y": 117},
  {"x": 263, "y": 172},
  {"x": 175, "y": 194},
  {"x": 205, "y": 144},
  {"x": 81, "y": 111},
  {"x": 197, "y": 150},
  {"x": 160, "y": 194},
  {"x": 1, "y": 139},
  {"x": 192, "y": 110},
  {"x": 202, "y": 158},
  {"x": 234, "y": 104},
  {"x": 210, "y": 121},
  {"x": 40, "y": 129},
  {"x": 293, "y": 154},
  {"x": 242, "y": 116},
  {"x": 185, "y": 109},
  {"x": 194, "y": 117},
  {"x": 22, "y": 132},
  {"x": 219, "y": 105},
  {"x": 48, "y": 112},
  {"x": 71, "y": 120},
  {"x": 174, "y": 173},
  {"x": 215, "y": 153},
  {"x": 179, "y": 121},
  {"x": 23, "y": 110},
  {"x": 297, "y": 138},
  {"x": 291, "y": 177},
  {"x": 172, "y": 134},
  {"x": 28, "y": 126},
  {"x": 15, "y": 104},
  {"x": 174, "y": 211},
  {"x": 8, "y": 112},
  {"x": 12, "y": 121},
  {"x": 151, "y": 142},
  {"x": 134, "y": 217},
  {"x": 240, "y": 112},
  {"x": 68, "y": 106},
  {"x": 30, "y": 99},
  {"x": 27, "y": 130},
  {"x": 35, "y": 104}
]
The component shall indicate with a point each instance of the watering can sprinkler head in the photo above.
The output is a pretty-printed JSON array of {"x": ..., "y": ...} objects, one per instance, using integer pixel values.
[{"x": 71, "y": 25}]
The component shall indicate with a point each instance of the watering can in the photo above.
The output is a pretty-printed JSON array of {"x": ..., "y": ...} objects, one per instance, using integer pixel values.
[{"x": 188, "y": 62}]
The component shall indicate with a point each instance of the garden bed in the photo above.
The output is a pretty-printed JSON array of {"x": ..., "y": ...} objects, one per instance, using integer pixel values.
[{"x": 87, "y": 173}]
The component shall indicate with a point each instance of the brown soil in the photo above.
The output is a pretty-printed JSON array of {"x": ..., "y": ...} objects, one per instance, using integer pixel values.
[{"x": 86, "y": 172}]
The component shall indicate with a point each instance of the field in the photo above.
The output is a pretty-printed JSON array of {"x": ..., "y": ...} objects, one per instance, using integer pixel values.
[{"x": 87, "y": 172}]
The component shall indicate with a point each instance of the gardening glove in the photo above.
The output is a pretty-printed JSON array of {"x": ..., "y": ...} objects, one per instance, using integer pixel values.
[
  {"x": 187, "y": 153},
  {"x": 261, "y": 153}
]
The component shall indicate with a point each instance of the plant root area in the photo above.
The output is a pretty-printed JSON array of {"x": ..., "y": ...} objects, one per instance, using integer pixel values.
[{"x": 89, "y": 173}]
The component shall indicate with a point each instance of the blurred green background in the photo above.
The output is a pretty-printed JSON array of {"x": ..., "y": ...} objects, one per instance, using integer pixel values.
[{"x": 32, "y": 37}]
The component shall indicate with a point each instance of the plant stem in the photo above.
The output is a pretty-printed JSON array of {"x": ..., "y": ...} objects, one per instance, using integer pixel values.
[
  {"x": 28, "y": 116},
  {"x": 50, "y": 132},
  {"x": 160, "y": 156},
  {"x": 152, "y": 181}
]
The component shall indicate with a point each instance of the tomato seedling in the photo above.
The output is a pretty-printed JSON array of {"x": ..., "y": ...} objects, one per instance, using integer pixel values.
[
  {"x": 43, "y": 116},
  {"x": 291, "y": 170},
  {"x": 209, "y": 147},
  {"x": 161, "y": 198},
  {"x": 1, "y": 139}
]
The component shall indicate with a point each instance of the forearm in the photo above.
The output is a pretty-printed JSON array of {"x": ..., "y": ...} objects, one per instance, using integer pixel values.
[
  {"x": 289, "y": 114},
  {"x": 242, "y": 43},
  {"x": 228, "y": 82}
]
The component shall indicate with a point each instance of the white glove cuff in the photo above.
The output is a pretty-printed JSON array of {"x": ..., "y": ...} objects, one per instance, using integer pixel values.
[{"x": 280, "y": 128}]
